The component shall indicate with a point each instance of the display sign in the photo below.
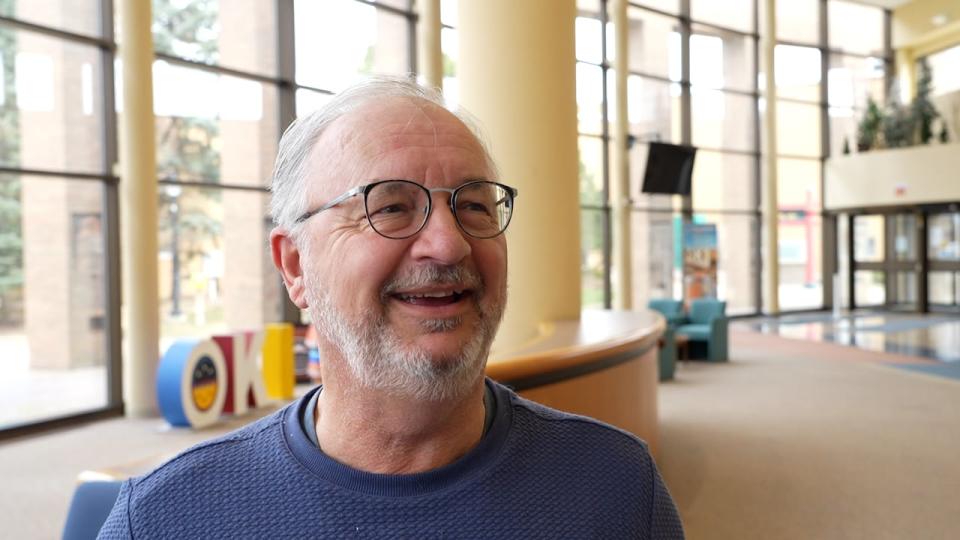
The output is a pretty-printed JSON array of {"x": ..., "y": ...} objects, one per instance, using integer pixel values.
[
  {"x": 699, "y": 260},
  {"x": 198, "y": 380}
]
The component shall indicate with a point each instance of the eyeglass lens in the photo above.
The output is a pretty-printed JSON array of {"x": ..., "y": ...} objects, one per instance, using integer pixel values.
[{"x": 398, "y": 209}]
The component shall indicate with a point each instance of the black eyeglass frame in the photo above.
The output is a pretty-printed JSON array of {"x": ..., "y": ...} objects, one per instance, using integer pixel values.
[{"x": 366, "y": 188}]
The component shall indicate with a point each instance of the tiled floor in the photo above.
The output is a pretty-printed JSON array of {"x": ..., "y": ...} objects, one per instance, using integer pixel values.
[{"x": 933, "y": 336}]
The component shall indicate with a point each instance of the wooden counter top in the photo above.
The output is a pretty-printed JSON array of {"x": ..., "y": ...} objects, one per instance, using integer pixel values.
[
  {"x": 603, "y": 366},
  {"x": 567, "y": 349}
]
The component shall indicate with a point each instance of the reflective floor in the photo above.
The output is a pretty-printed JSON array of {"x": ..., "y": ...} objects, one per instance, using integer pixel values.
[{"x": 931, "y": 336}]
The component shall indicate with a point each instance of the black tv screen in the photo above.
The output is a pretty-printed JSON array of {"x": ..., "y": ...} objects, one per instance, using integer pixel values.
[{"x": 669, "y": 169}]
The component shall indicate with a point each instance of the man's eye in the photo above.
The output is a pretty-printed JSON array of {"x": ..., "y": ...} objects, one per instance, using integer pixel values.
[
  {"x": 468, "y": 206},
  {"x": 392, "y": 209}
]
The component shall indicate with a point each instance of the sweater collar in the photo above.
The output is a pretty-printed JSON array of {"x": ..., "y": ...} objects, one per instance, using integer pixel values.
[{"x": 472, "y": 465}]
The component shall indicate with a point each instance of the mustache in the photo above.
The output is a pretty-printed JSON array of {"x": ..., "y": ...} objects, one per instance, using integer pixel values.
[{"x": 458, "y": 276}]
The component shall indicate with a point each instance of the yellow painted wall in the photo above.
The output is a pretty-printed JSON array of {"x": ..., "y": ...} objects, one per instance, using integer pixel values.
[
  {"x": 914, "y": 35},
  {"x": 921, "y": 174}
]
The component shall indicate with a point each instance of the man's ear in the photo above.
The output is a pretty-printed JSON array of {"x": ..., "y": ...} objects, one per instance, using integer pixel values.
[{"x": 286, "y": 257}]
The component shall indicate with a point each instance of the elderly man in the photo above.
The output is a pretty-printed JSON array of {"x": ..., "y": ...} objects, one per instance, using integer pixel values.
[{"x": 390, "y": 220}]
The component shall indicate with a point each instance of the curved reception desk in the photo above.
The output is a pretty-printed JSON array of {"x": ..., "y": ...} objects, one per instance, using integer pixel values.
[{"x": 603, "y": 366}]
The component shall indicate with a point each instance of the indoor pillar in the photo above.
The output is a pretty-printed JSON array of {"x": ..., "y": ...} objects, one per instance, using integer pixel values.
[
  {"x": 429, "y": 55},
  {"x": 906, "y": 69},
  {"x": 771, "y": 268},
  {"x": 138, "y": 204},
  {"x": 518, "y": 77},
  {"x": 620, "y": 165}
]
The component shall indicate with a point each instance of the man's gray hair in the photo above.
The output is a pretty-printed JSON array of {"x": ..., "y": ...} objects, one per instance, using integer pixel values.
[{"x": 292, "y": 167}]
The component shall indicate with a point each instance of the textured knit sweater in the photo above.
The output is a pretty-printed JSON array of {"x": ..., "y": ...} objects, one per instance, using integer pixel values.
[{"x": 537, "y": 473}]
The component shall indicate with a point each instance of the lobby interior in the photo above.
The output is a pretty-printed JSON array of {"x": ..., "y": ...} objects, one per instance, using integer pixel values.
[{"x": 136, "y": 147}]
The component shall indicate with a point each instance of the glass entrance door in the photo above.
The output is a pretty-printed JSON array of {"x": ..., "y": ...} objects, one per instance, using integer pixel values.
[
  {"x": 869, "y": 253},
  {"x": 887, "y": 256},
  {"x": 943, "y": 255},
  {"x": 903, "y": 271}
]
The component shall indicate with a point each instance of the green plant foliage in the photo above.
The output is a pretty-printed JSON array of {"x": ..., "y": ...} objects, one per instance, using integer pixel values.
[
  {"x": 589, "y": 193},
  {"x": 924, "y": 112},
  {"x": 869, "y": 128},
  {"x": 449, "y": 66},
  {"x": 11, "y": 211},
  {"x": 186, "y": 28},
  {"x": 899, "y": 126}
]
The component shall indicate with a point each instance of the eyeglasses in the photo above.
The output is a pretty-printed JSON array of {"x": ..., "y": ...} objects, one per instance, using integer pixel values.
[{"x": 399, "y": 209}]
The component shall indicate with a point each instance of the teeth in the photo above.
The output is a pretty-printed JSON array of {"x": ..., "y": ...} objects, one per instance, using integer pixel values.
[{"x": 438, "y": 294}]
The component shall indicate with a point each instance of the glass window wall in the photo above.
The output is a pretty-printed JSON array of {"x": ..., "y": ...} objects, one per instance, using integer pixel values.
[
  {"x": 52, "y": 98},
  {"x": 798, "y": 21},
  {"x": 654, "y": 44},
  {"x": 77, "y": 16},
  {"x": 57, "y": 204},
  {"x": 237, "y": 34},
  {"x": 54, "y": 342},
  {"x": 338, "y": 42},
  {"x": 866, "y": 39},
  {"x": 735, "y": 14},
  {"x": 943, "y": 70}
]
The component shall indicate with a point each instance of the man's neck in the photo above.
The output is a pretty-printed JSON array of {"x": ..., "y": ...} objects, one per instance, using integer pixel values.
[{"x": 389, "y": 434}]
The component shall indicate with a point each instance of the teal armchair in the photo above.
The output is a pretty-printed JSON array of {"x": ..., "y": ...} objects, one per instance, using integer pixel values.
[
  {"x": 706, "y": 329},
  {"x": 667, "y": 357},
  {"x": 672, "y": 311}
]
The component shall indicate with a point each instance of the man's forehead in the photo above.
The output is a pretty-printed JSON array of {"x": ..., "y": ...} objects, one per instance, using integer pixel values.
[
  {"x": 360, "y": 136},
  {"x": 381, "y": 126}
]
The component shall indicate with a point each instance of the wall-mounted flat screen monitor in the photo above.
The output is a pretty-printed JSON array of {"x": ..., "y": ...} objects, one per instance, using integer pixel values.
[{"x": 669, "y": 169}]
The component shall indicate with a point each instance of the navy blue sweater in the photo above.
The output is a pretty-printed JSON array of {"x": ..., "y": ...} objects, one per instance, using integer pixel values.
[{"x": 537, "y": 473}]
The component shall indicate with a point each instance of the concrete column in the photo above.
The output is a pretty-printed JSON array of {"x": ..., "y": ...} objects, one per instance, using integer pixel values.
[
  {"x": 906, "y": 69},
  {"x": 138, "y": 205},
  {"x": 517, "y": 76},
  {"x": 771, "y": 270},
  {"x": 429, "y": 55},
  {"x": 620, "y": 165}
]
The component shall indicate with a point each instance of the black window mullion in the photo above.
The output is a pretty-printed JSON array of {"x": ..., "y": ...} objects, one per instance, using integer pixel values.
[
  {"x": 111, "y": 206},
  {"x": 286, "y": 64},
  {"x": 605, "y": 162},
  {"x": 758, "y": 163},
  {"x": 57, "y": 33}
]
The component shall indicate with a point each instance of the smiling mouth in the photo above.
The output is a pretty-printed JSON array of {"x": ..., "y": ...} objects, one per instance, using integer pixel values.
[{"x": 433, "y": 298}]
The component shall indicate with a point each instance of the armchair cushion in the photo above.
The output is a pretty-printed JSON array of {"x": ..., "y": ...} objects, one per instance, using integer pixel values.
[
  {"x": 672, "y": 310},
  {"x": 695, "y": 332},
  {"x": 703, "y": 310},
  {"x": 91, "y": 504},
  {"x": 707, "y": 329}
]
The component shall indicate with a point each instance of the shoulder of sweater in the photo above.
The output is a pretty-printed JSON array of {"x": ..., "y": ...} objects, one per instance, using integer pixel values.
[
  {"x": 214, "y": 449},
  {"x": 582, "y": 425}
]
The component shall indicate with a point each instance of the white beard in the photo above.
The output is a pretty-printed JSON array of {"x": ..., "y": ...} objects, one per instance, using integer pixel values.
[{"x": 379, "y": 359}]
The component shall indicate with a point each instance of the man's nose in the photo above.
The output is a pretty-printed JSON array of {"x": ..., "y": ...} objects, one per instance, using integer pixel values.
[{"x": 441, "y": 240}]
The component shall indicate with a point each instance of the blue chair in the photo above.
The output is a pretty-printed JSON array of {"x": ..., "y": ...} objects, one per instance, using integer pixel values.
[
  {"x": 91, "y": 504},
  {"x": 667, "y": 357},
  {"x": 706, "y": 329},
  {"x": 672, "y": 311}
]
